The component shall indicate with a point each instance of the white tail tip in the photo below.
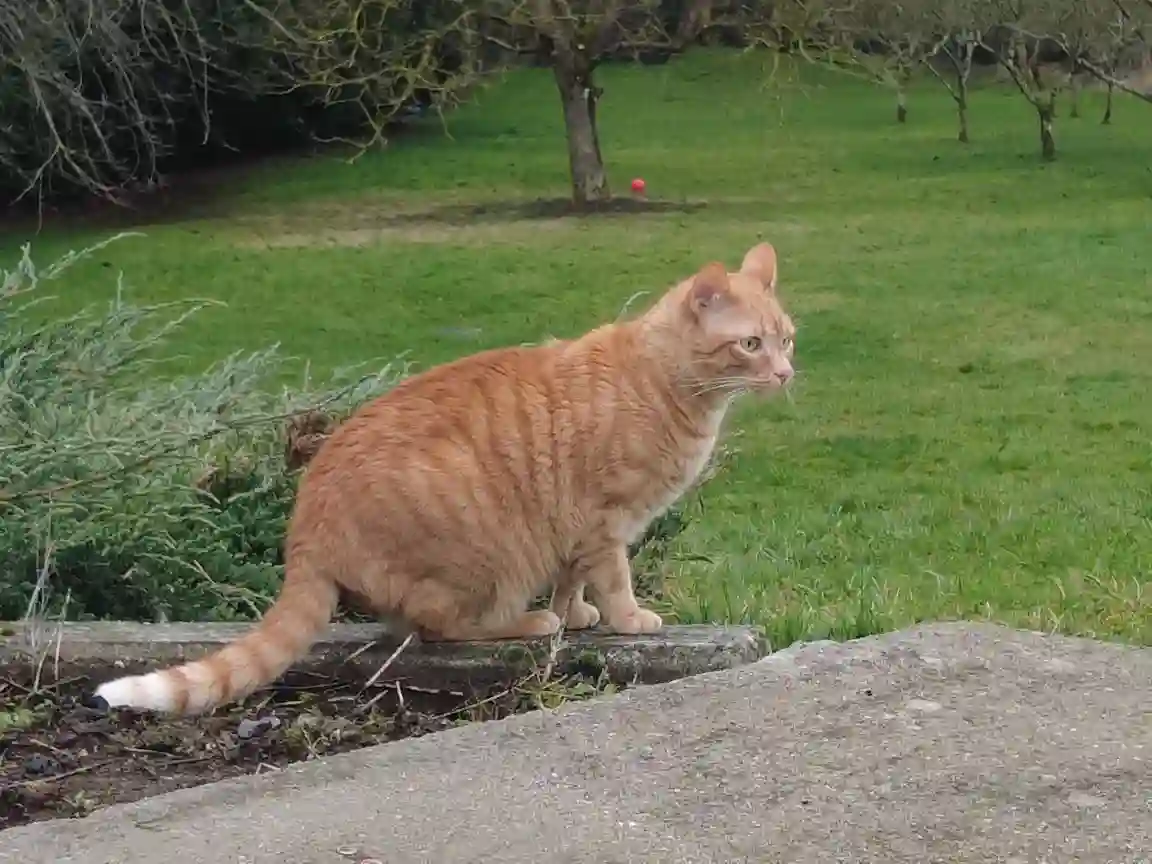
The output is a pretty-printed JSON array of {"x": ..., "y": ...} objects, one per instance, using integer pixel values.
[{"x": 151, "y": 692}]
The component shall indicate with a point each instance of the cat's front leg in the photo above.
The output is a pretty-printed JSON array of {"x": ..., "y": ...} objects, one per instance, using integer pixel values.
[
  {"x": 569, "y": 605},
  {"x": 607, "y": 572}
]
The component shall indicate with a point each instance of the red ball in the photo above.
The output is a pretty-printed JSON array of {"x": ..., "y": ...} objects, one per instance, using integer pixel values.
[{"x": 638, "y": 185}]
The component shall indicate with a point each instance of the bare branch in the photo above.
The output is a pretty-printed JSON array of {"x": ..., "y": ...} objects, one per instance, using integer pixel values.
[{"x": 100, "y": 93}]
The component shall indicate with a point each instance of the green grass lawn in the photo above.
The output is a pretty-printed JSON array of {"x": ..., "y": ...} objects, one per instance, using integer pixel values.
[{"x": 969, "y": 434}]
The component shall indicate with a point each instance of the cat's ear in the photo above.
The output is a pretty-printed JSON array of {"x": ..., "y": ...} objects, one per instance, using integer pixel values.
[
  {"x": 760, "y": 263},
  {"x": 709, "y": 287}
]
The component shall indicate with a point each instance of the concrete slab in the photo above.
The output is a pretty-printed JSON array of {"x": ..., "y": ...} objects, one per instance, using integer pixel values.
[{"x": 946, "y": 743}]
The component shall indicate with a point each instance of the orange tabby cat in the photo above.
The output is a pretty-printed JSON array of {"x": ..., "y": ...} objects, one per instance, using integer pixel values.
[{"x": 452, "y": 500}]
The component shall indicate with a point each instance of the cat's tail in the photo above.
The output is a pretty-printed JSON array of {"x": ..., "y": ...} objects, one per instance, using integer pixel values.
[{"x": 306, "y": 604}]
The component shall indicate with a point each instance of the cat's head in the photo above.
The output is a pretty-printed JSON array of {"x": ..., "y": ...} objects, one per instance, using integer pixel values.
[{"x": 736, "y": 337}]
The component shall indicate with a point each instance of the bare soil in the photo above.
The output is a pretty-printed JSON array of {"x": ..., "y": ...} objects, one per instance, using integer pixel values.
[
  {"x": 59, "y": 758},
  {"x": 369, "y": 221}
]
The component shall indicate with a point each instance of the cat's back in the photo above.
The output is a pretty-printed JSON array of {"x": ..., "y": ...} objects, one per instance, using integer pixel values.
[{"x": 503, "y": 394}]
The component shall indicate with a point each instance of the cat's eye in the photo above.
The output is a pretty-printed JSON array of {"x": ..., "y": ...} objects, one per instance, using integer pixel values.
[
  {"x": 786, "y": 342},
  {"x": 751, "y": 344}
]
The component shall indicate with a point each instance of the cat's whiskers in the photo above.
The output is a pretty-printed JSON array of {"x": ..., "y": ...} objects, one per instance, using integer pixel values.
[
  {"x": 733, "y": 384},
  {"x": 724, "y": 381},
  {"x": 705, "y": 389}
]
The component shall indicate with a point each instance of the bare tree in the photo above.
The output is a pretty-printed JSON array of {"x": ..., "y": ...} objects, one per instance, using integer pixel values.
[
  {"x": 892, "y": 41},
  {"x": 1105, "y": 39},
  {"x": 958, "y": 26},
  {"x": 877, "y": 40},
  {"x": 1023, "y": 49},
  {"x": 574, "y": 37},
  {"x": 820, "y": 31}
]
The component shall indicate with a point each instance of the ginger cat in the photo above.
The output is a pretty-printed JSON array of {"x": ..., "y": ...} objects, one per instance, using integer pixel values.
[{"x": 454, "y": 499}]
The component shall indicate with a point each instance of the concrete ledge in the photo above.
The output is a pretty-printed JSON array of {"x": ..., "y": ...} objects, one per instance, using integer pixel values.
[
  {"x": 100, "y": 648},
  {"x": 957, "y": 743}
]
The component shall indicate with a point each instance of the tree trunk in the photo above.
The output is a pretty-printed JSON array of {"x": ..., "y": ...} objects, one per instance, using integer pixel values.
[
  {"x": 1047, "y": 140},
  {"x": 1074, "y": 96},
  {"x": 1107, "y": 119},
  {"x": 901, "y": 104},
  {"x": 962, "y": 68},
  {"x": 579, "y": 95},
  {"x": 961, "y": 96}
]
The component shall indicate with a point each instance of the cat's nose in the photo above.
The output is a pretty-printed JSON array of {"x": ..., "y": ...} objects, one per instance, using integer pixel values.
[{"x": 784, "y": 375}]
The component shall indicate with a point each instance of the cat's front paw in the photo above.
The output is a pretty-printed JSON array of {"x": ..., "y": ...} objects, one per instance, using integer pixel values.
[
  {"x": 582, "y": 615},
  {"x": 635, "y": 622}
]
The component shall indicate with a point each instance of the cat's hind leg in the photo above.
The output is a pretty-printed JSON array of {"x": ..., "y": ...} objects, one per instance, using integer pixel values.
[
  {"x": 529, "y": 625},
  {"x": 447, "y": 613}
]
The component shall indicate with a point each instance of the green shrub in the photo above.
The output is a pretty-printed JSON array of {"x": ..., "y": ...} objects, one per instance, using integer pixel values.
[{"x": 128, "y": 494}]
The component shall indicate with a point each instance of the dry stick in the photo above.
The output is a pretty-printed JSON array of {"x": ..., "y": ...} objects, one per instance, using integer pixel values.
[
  {"x": 368, "y": 705},
  {"x": 359, "y": 651},
  {"x": 188, "y": 760},
  {"x": 31, "y": 781},
  {"x": 28, "y": 691},
  {"x": 391, "y": 659},
  {"x": 60, "y": 635},
  {"x": 32, "y": 614},
  {"x": 472, "y": 706},
  {"x": 144, "y": 751}
]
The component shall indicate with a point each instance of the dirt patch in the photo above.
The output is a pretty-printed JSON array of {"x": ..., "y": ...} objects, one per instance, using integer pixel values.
[
  {"x": 348, "y": 238},
  {"x": 545, "y": 208},
  {"x": 59, "y": 758},
  {"x": 365, "y": 223}
]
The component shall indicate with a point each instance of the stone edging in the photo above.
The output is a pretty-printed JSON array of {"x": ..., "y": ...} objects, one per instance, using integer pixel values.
[{"x": 106, "y": 649}]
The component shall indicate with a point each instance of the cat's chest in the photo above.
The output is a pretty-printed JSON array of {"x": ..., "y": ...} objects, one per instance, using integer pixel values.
[
  {"x": 687, "y": 467},
  {"x": 664, "y": 487}
]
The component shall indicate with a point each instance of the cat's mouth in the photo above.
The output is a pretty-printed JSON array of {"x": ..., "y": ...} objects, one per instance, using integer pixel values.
[{"x": 768, "y": 386}]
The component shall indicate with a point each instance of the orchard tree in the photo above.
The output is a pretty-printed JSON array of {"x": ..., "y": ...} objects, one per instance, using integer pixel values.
[
  {"x": 1023, "y": 49},
  {"x": 1104, "y": 38},
  {"x": 881, "y": 41},
  {"x": 958, "y": 26},
  {"x": 573, "y": 37},
  {"x": 890, "y": 42}
]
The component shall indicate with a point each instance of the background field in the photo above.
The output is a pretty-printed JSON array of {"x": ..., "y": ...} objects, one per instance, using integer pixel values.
[{"x": 968, "y": 436}]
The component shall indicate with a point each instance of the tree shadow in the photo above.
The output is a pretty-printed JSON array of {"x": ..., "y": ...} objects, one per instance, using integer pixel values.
[
  {"x": 539, "y": 209},
  {"x": 207, "y": 193},
  {"x": 192, "y": 194}
]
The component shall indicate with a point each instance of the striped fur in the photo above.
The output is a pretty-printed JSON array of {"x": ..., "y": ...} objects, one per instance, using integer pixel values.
[{"x": 451, "y": 501}]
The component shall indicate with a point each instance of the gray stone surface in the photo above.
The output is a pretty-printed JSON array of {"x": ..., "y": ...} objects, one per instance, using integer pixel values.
[
  {"x": 945, "y": 743},
  {"x": 109, "y": 648}
]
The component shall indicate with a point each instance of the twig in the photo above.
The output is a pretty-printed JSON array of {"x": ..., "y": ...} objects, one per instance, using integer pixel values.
[
  {"x": 144, "y": 751},
  {"x": 367, "y": 647},
  {"x": 472, "y": 706},
  {"x": 391, "y": 659},
  {"x": 32, "y": 781}
]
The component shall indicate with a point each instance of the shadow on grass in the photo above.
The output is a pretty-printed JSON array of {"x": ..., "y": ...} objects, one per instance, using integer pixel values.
[
  {"x": 540, "y": 208},
  {"x": 207, "y": 194}
]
